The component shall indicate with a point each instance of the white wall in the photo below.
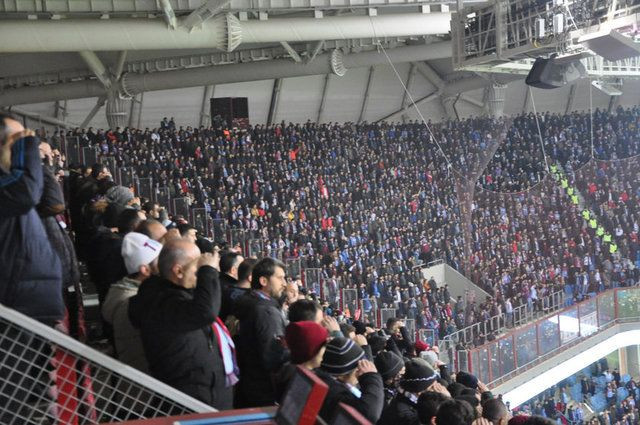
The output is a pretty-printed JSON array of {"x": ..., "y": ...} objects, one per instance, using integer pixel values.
[{"x": 300, "y": 99}]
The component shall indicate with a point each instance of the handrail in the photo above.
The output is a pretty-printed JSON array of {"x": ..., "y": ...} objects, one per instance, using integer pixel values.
[
  {"x": 452, "y": 339},
  {"x": 113, "y": 383},
  {"x": 598, "y": 313}
]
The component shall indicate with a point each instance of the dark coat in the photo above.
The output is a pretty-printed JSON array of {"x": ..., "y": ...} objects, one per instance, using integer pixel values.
[
  {"x": 260, "y": 350},
  {"x": 401, "y": 410},
  {"x": 30, "y": 271},
  {"x": 369, "y": 405},
  {"x": 227, "y": 284},
  {"x": 175, "y": 326}
]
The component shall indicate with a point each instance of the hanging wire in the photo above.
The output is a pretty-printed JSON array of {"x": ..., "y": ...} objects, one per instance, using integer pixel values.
[
  {"x": 591, "y": 117},
  {"x": 535, "y": 114},
  {"x": 413, "y": 103}
]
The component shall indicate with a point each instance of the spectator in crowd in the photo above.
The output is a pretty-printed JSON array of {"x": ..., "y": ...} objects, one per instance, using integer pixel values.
[
  {"x": 185, "y": 343},
  {"x": 51, "y": 209},
  {"x": 229, "y": 265},
  {"x": 30, "y": 270},
  {"x": 351, "y": 380},
  {"x": 232, "y": 295},
  {"x": 306, "y": 341},
  {"x": 417, "y": 379},
  {"x": 262, "y": 325},
  {"x": 428, "y": 404},
  {"x": 455, "y": 412},
  {"x": 391, "y": 368},
  {"x": 495, "y": 412},
  {"x": 140, "y": 255}
]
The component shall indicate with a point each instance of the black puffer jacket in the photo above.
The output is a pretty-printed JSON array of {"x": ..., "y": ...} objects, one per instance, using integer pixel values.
[
  {"x": 175, "y": 326},
  {"x": 369, "y": 405}
]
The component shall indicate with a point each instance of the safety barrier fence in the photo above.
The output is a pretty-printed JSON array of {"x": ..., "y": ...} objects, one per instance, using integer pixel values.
[
  {"x": 527, "y": 346},
  {"x": 48, "y": 377}
]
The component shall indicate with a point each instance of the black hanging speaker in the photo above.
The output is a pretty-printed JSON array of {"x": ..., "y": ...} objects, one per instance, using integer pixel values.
[
  {"x": 549, "y": 74},
  {"x": 545, "y": 75}
]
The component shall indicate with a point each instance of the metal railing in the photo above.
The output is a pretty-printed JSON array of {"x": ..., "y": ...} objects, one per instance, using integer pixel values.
[
  {"x": 521, "y": 349},
  {"x": 48, "y": 377},
  {"x": 503, "y": 321}
]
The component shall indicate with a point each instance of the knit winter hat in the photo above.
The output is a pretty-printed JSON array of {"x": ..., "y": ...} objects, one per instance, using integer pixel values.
[
  {"x": 119, "y": 195},
  {"x": 388, "y": 364},
  {"x": 418, "y": 376},
  {"x": 360, "y": 327},
  {"x": 430, "y": 357},
  {"x": 467, "y": 379},
  {"x": 377, "y": 343},
  {"x": 420, "y": 346},
  {"x": 304, "y": 340},
  {"x": 341, "y": 356}
]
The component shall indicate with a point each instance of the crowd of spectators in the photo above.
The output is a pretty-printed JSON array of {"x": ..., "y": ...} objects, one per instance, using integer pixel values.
[{"x": 366, "y": 203}]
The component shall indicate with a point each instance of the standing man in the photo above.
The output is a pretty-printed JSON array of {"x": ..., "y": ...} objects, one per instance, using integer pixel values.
[
  {"x": 229, "y": 264},
  {"x": 30, "y": 271},
  {"x": 185, "y": 343},
  {"x": 260, "y": 348}
]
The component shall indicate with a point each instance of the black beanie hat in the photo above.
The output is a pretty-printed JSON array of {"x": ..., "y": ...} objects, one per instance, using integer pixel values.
[
  {"x": 389, "y": 364},
  {"x": 467, "y": 379},
  {"x": 360, "y": 327},
  {"x": 377, "y": 343},
  {"x": 418, "y": 376},
  {"x": 341, "y": 356}
]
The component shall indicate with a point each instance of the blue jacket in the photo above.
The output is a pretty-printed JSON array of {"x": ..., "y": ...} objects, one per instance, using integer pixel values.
[{"x": 30, "y": 271}]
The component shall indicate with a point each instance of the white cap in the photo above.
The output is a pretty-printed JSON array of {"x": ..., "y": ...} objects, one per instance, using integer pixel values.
[{"x": 139, "y": 250}]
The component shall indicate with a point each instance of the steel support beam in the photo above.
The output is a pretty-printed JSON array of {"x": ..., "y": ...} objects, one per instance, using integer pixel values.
[
  {"x": 135, "y": 111},
  {"x": 205, "y": 107},
  {"x": 408, "y": 85},
  {"x": 132, "y": 83},
  {"x": 572, "y": 94},
  {"x": 224, "y": 32},
  {"x": 122, "y": 57},
  {"x": 323, "y": 101},
  {"x": 294, "y": 55},
  {"x": 315, "y": 51},
  {"x": 60, "y": 110},
  {"x": 525, "y": 104},
  {"x": 426, "y": 99},
  {"x": 99, "y": 104},
  {"x": 206, "y": 11},
  {"x": 168, "y": 13},
  {"x": 41, "y": 118},
  {"x": 275, "y": 100},
  {"x": 95, "y": 64},
  {"x": 454, "y": 89},
  {"x": 449, "y": 106},
  {"x": 145, "y": 7},
  {"x": 470, "y": 100},
  {"x": 367, "y": 94},
  {"x": 430, "y": 74}
]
